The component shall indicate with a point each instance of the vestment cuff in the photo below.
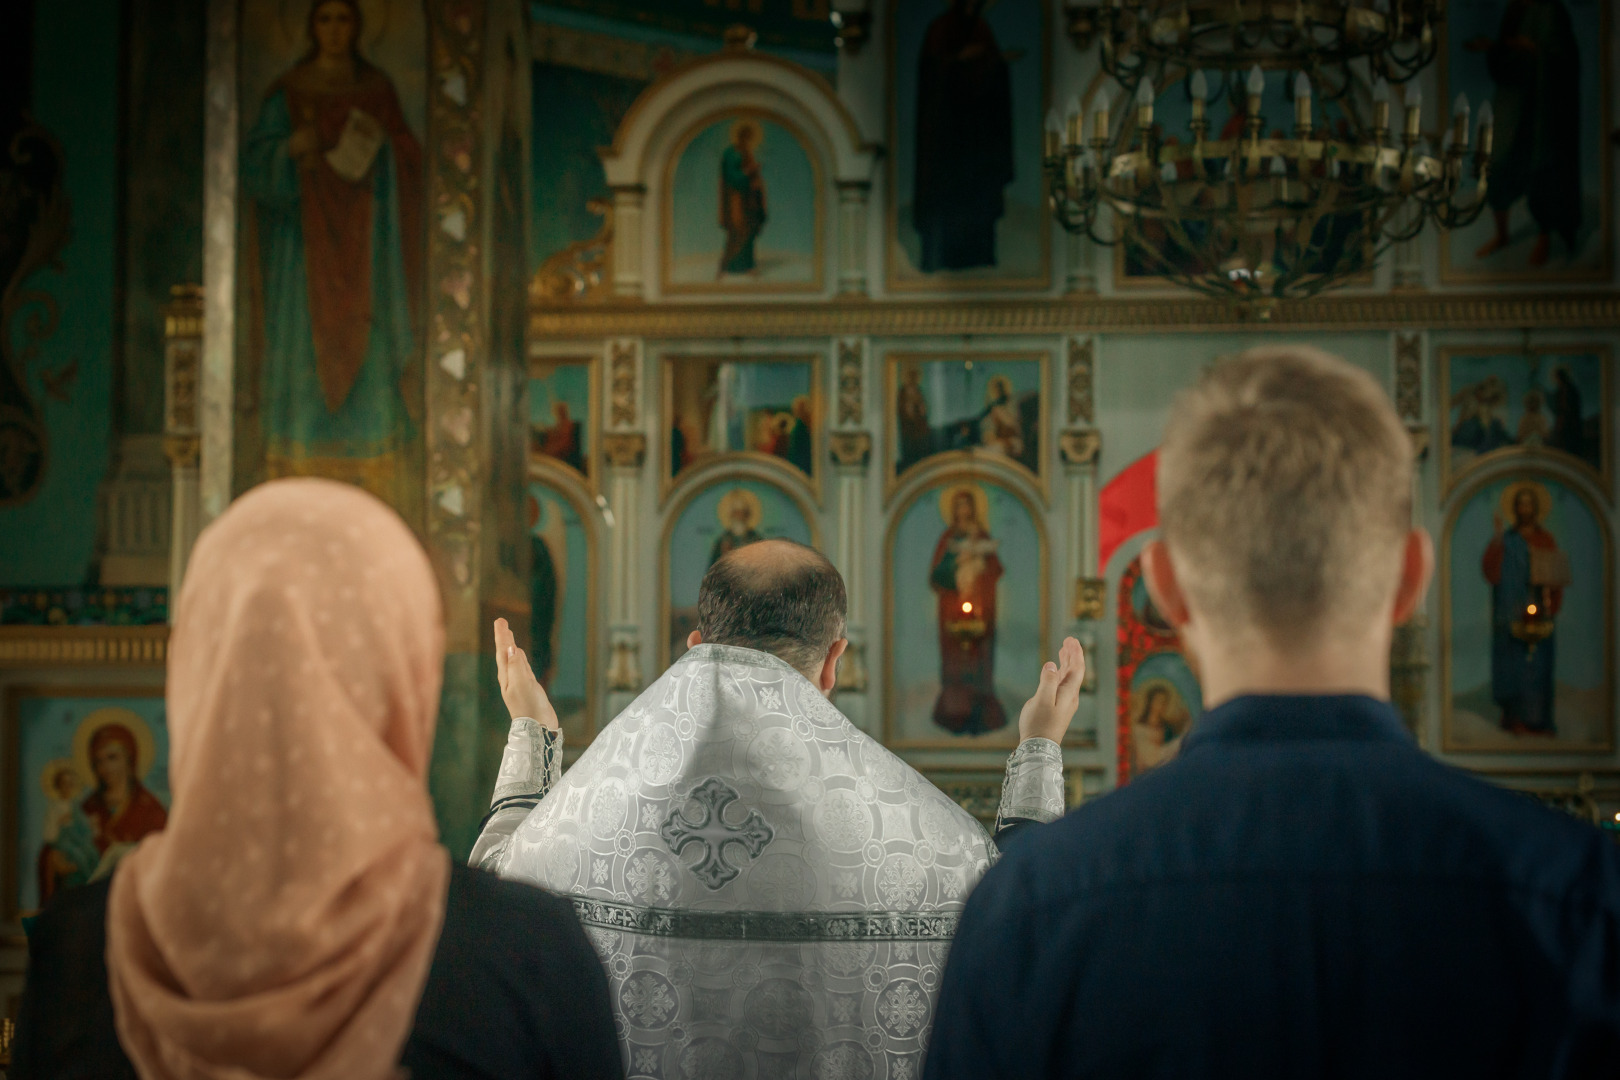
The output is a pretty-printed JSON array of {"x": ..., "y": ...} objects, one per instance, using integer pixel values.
[
  {"x": 531, "y": 763},
  {"x": 1033, "y": 787}
]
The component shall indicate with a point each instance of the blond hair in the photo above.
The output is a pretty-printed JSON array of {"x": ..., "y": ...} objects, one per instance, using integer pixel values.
[{"x": 1285, "y": 495}]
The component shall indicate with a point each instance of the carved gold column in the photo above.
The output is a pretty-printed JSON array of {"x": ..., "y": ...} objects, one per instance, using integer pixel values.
[
  {"x": 852, "y": 237},
  {"x": 182, "y": 433},
  {"x": 1080, "y": 445},
  {"x": 624, "y": 450},
  {"x": 850, "y": 447},
  {"x": 852, "y": 454},
  {"x": 627, "y": 204}
]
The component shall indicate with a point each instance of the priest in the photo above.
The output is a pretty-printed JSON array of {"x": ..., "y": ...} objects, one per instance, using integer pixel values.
[{"x": 771, "y": 891}]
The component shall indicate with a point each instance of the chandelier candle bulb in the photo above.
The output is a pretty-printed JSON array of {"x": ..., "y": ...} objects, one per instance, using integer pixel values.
[
  {"x": 1054, "y": 134},
  {"x": 1302, "y": 104},
  {"x": 1459, "y": 121},
  {"x": 1144, "y": 105},
  {"x": 1099, "y": 118},
  {"x": 1076, "y": 121},
  {"x": 1487, "y": 120},
  {"x": 1380, "y": 96},
  {"x": 1200, "y": 94},
  {"x": 1414, "y": 111},
  {"x": 1279, "y": 180}
]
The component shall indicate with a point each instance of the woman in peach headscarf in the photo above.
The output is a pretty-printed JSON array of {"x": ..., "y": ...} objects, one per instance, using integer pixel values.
[{"x": 297, "y": 917}]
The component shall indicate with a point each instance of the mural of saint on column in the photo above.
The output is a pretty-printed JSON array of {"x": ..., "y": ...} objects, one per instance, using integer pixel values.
[{"x": 333, "y": 173}]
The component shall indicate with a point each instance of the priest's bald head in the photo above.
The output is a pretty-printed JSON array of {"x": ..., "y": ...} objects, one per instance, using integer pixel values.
[{"x": 778, "y": 597}]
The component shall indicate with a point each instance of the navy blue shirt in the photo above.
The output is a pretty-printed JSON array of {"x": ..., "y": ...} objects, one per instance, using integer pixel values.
[{"x": 1301, "y": 893}]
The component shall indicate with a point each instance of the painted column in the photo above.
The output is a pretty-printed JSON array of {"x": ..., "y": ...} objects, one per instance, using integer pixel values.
[
  {"x": 627, "y": 203},
  {"x": 624, "y": 450},
  {"x": 183, "y": 333},
  {"x": 1080, "y": 276},
  {"x": 852, "y": 237},
  {"x": 1407, "y": 275},
  {"x": 221, "y": 131}
]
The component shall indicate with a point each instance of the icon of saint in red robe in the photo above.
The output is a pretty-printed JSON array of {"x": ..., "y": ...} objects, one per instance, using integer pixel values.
[{"x": 964, "y": 574}]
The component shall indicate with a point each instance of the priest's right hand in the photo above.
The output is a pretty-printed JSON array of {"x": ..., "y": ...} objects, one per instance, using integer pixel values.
[
  {"x": 522, "y": 692},
  {"x": 1047, "y": 715}
]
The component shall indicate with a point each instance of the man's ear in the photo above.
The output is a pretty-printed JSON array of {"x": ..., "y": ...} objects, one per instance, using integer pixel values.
[
  {"x": 1162, "y": 585},
  {"x": 829, "y": 667},
  {"x": 1417, "y": 567},
  {"x": 694, "y": 639}
]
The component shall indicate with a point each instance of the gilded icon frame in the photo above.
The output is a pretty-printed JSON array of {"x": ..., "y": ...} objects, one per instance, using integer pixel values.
[
  {"x": 894, "y": 256},
  {"x": 918, "y": 488},
  {"x": 893, "y": 362},
  {"x": 1450, "y": 481},
  {"x": 1449, "y": 272},
  {"x": 591, "y": 451},
  {"x": 666, "y": 212},
  {"x": 668, "y": 482}
]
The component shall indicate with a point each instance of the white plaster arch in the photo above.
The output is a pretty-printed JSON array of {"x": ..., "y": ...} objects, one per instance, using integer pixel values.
[{"x": 637, "y": 163}]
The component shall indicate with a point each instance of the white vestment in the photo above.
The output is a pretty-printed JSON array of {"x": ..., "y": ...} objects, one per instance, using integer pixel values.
[{"x": 772, "y": 891}]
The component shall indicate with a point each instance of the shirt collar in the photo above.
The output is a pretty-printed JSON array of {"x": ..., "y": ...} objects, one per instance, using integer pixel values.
[
  {"x": 734, "y": 654},
  {"x": 1287, "y": 717}
]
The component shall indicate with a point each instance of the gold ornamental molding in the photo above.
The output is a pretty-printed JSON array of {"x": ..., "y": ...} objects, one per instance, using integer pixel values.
[
  {"x": 1090, "y": 599},
  {"x": 51, "y": 646},
  {"x": 1071, "y": 315}
]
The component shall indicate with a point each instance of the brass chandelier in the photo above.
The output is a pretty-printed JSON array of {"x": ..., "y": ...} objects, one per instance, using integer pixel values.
[{"x": 1246, "y": 213}]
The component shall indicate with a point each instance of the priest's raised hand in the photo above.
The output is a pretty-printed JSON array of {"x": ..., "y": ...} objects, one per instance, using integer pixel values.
[
  {"x": 1049, "y": 712},
  {"x": 522, "y": 692},
  {"x": 532, "y": 761}
]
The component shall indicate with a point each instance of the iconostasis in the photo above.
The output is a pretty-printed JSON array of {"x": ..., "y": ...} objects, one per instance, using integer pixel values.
[
  {"x": 830, "y": 312},
  {"x": 643, "y": 286}
]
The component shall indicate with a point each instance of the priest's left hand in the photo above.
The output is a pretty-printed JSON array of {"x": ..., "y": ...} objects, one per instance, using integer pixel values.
[
  {"x": 522, "y": 692},
  {"x": 1048, "y": 713}
]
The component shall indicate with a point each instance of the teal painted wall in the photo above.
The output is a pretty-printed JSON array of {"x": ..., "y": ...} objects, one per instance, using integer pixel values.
[{"x": 50, "y": 540}]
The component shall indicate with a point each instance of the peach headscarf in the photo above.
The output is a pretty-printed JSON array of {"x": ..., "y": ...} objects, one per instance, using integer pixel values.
[{"x": 282, "y": 925}]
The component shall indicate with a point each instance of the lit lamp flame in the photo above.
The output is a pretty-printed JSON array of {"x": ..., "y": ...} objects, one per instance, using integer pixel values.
[
  {"x": 1531, "y": 610},
  {"x": 966, "y": 608}
]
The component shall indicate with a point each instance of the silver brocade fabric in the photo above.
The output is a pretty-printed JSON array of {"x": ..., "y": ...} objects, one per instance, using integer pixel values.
[{"x": 771, "y": 891}]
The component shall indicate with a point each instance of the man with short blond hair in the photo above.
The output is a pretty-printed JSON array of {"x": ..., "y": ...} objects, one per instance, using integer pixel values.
[{"x": 1302, "y": 892}]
